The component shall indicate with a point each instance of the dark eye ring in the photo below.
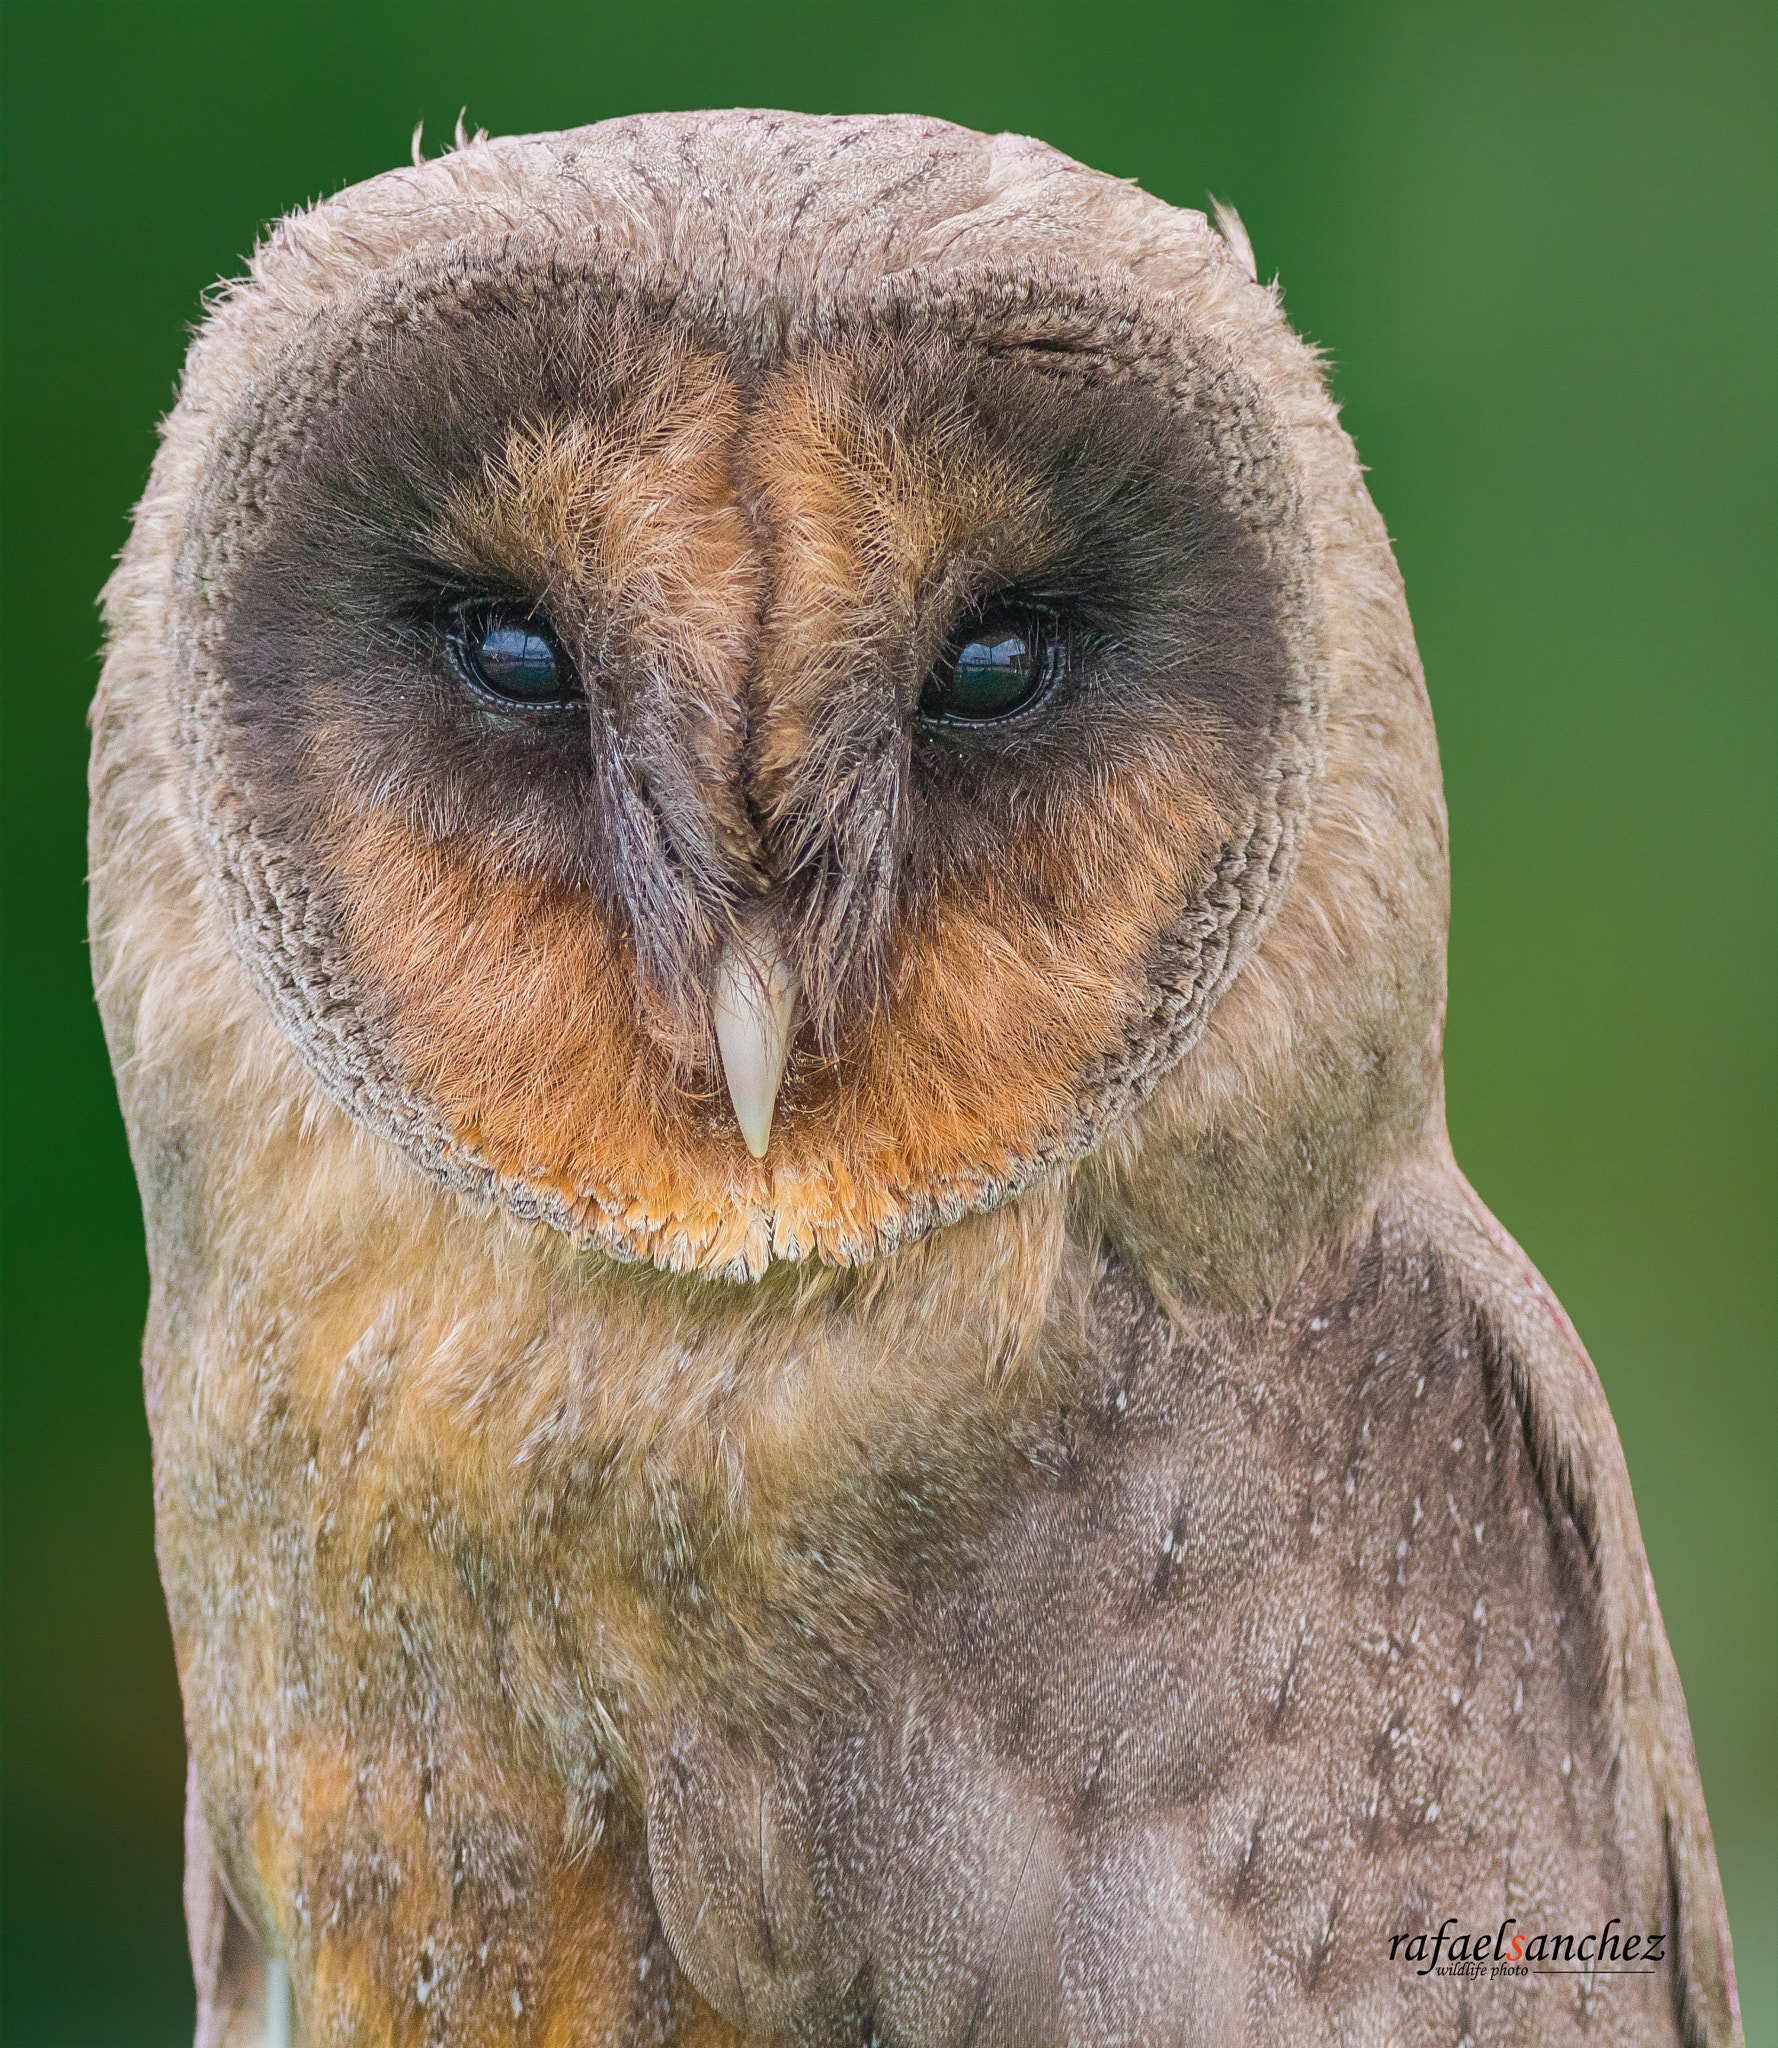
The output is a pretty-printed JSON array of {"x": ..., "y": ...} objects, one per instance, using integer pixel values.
[
  {"x": 1000, "y": 661},
  {"x": 512, "y": 656}
]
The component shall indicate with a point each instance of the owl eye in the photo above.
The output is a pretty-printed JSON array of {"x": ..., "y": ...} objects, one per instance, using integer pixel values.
[
  {"x": 512, "y": 656},
  {"x": 1000, "y": 662}
]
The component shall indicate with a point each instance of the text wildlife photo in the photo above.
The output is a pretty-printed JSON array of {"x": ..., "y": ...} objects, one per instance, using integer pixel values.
[{"x": 769, "y": 888}]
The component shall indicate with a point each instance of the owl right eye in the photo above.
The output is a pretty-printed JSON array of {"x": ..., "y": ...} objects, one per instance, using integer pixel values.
[{"x": 513, "y": 657}]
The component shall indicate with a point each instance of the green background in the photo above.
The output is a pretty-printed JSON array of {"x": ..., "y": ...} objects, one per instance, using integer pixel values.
[{"x": 1538, "y": 244}]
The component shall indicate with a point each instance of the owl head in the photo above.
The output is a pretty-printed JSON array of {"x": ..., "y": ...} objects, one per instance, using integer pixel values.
[{"x": 744, "y": 687}]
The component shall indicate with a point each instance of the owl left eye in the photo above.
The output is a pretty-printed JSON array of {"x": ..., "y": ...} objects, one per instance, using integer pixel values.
[
  {"x": 1000, "y": 662},
  {"x": 513, "y": 657}
]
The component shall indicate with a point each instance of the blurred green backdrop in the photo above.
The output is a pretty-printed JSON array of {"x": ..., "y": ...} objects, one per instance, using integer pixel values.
[{"x": 1538, "y": 243}]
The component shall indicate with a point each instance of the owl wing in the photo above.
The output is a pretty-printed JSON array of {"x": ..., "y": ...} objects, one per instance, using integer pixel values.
[
  {"x": 1640, "y": 1707},
  {"x": 243, "y": 1994},
  {"x": 1304, "y": 1636},
  {"x": 1309, "y": 1633}
]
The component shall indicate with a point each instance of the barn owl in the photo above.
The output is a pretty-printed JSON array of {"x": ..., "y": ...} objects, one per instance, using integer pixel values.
[{"x": 769, "y": 889}]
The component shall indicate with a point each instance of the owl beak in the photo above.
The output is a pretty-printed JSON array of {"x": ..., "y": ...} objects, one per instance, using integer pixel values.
[{"x": 755, "y": 1002}]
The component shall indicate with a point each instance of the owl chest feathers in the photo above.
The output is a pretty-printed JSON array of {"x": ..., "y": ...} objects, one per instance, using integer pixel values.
[{"x": 972, "y": 1638}]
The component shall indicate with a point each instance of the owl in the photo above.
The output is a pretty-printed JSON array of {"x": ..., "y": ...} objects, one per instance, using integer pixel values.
[{"x": 769, "y": 890}]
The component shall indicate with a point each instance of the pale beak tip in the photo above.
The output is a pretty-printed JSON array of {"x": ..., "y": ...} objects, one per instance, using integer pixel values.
[{"x": 755, "y": 1009}]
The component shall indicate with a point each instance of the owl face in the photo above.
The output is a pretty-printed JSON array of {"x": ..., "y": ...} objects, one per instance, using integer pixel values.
[{"x": 736, "y": 774}]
